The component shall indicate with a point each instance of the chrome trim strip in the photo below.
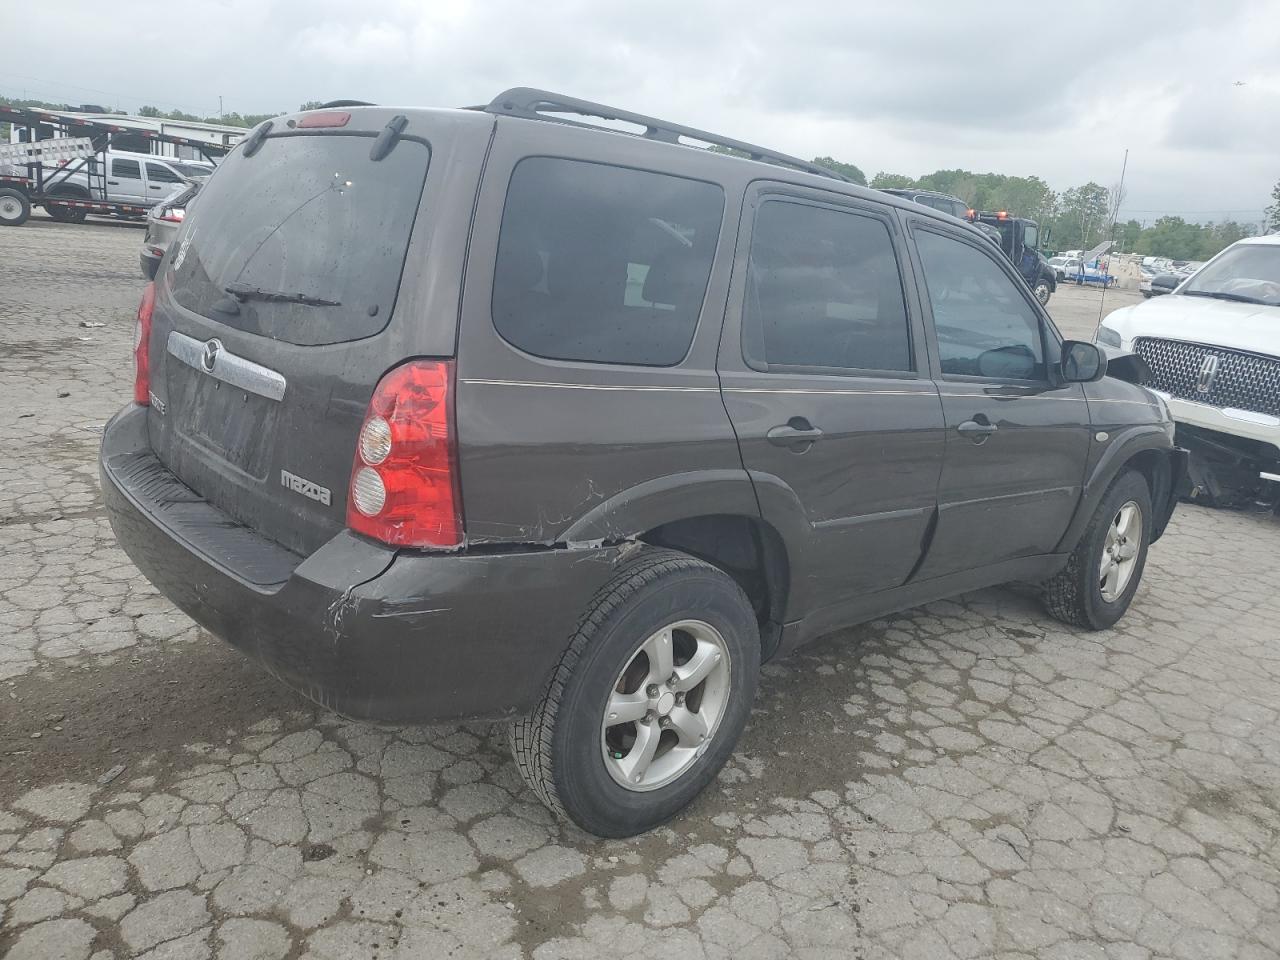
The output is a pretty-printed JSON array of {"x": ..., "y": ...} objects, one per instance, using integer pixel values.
[
  {"x": 227, "y": 367},
  {"x": 834, "y": 393},
  {"x": 590, "y": 386}
]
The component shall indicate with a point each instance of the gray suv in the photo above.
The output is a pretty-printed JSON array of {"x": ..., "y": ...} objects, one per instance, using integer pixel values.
[{"x": 497, "y": 413}]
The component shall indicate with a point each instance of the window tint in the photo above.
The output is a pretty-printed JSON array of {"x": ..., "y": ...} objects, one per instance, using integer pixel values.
[
  {"x": 126, "y": 168},
  {"x": 985, "y": 327},
  {"x": 823, "y": 290},
  {"x": 309, "y": 217},
  {"x": 603, "y": 264},
  {"x": 158, "y": 174}
]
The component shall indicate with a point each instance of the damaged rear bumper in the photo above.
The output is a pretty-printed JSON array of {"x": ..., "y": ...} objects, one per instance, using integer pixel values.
[{"x": 365, "y": 630}]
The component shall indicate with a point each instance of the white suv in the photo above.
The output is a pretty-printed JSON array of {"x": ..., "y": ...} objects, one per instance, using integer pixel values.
[{"x": 1213, "y": 347}]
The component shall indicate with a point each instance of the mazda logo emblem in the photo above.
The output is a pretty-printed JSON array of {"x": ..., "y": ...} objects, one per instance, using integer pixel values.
[{"x": 210, "y": 355}]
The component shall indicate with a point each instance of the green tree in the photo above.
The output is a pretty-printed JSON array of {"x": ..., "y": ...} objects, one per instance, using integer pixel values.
[
  {"x": 847, "y": 169},
  {"x": 311, "y": 105},
  {"x": 1082, "y": 215},
  {"x": 885, "y": 181},
  {"x": 1273, "y": 211},
  {"x": 1127, "y": 235}
]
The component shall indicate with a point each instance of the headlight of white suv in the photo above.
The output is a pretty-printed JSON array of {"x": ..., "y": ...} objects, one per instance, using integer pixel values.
[{"x": 1107, "y": 337}]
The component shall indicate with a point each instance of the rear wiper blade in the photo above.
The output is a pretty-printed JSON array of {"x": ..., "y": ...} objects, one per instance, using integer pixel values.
[
  {"x": 243, "y": 292},
  {"x": 1223, "y": 295}
]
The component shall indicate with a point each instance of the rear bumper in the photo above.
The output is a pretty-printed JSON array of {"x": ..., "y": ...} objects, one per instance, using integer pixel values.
[
  {"x": 362, "y": 629},
  {"x": 149, "y": 262}
]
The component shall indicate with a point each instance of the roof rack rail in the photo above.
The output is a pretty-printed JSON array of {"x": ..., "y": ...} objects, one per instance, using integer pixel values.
[{"x": 533, "y": 104}]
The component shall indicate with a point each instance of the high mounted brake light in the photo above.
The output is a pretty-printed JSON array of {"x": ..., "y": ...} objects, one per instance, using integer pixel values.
[
  {"x": 141, "y": 347},
  {"x": 328, "y": 118},
  {"x": 404, "y": 481}
]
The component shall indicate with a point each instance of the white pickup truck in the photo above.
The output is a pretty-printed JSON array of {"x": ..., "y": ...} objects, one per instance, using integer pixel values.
[{"x": 134, "y": 177}]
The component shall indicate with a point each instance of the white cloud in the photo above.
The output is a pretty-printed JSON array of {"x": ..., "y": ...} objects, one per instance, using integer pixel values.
[{"x": 911, "y": 87}]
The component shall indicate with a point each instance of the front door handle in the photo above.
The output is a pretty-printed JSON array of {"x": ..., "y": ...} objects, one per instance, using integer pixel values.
[
  {"x": 797, "y": 434},
  {"x": 977, "y": 429},
  {"x": 114, "y": 183}
]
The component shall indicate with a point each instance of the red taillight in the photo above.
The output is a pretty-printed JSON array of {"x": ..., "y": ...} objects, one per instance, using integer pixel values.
[
  {"x": 173, "y": 215},
  {"x": 141, "y": 344},
  {"x": 404, "y": 482},
  {"x": 332, "y": 118}
]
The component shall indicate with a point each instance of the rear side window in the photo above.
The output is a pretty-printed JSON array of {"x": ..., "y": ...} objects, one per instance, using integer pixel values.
[
  {"x": 305, "y": 241},
  {"x": 161, "y": 174},
  {"x": 126, "y": 168},
  {"x": 823, "y": 290},
  {"x": 603, "y": 264}
]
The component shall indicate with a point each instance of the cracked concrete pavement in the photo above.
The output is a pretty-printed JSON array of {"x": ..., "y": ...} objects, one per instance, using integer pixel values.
[{"x": 969, "y": 779}]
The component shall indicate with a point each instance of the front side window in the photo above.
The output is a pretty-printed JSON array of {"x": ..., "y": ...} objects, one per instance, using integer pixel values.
[
  {"x": 984, "y": 326},
  {"x": 1249, "y": 273},
  {"x": 126, "y": 168},
  {"x": 823, "y": 290},
  {"x": 603, "y": 264}
]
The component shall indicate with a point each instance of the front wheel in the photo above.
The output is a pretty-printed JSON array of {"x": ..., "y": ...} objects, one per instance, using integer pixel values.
[
  {"x": 1097, "y": 585},
  {"x": 15, "y": 208},
  {"x": 1042, "y": 291},
  {"x": 648, "y": 701}
]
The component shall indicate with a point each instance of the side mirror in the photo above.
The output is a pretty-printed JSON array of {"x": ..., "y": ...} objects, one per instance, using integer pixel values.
[{"x": 1082, "y": 362}]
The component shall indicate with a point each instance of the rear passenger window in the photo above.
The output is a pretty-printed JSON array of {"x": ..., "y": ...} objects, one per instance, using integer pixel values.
[
  {"x": 161, "y": 174},
  {"x": 823, "y": 290},
  {"x": 603, "y": 264},
  {"x": 126, "y": 168}
]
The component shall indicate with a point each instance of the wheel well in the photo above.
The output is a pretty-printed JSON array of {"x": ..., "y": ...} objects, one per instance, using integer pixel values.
[
  {"x": 1154, "y": 467},
  {"x": 67, "y": 190},
  {"x": 747, "y": 549}
]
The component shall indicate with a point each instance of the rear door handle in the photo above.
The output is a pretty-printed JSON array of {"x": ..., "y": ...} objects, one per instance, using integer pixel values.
[
  {"x": 797, "y": 434},
  {"x": 977, "y": 430},
  {"x": 114, "y": 183}
]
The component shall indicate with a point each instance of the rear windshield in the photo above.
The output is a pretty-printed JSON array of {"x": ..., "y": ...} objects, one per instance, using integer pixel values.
[{"x": 304, "y": 241}]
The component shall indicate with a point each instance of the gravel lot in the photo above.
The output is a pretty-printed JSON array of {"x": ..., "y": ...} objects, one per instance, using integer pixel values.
[{"x": 969, "y": 779}]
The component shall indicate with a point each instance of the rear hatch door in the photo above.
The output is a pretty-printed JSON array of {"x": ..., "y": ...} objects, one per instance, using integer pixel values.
[{"x": 309, "y": 267}]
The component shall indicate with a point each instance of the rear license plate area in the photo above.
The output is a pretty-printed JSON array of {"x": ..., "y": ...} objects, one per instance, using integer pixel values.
[{"x": 231, "y": 423}]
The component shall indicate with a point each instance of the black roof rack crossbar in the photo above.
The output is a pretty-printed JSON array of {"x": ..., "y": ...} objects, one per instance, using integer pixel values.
[{"x": 533, "y": 104}]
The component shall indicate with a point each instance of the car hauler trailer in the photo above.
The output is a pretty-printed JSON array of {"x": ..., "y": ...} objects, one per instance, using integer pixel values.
[{"x": 66, "y": 174}]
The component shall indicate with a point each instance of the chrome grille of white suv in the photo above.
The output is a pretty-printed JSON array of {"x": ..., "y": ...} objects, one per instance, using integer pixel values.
[{"x": 1243, "y": 381}]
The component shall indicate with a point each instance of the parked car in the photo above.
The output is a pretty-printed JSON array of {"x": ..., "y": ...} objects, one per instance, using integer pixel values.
[
  {"x": 163, "y": 222},
  {"x": 931, "y": 198},
  {"x": 447, "y": 414},
  {"x": 1158, "y": 285},
  {"x": 1214, "y": 350},
  {"x": 1059, "y": 266},
  {"x": 128, "y": 178}
]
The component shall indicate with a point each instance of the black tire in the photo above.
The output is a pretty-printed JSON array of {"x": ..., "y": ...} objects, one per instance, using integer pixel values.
[
  {"x": 558, "y": 747},
  {"x": 15, "y": 207},
  {"x": 1074, "y": 594},
  {"x": 1042, "y": 291},
  {"x": 65, "y": 214}
]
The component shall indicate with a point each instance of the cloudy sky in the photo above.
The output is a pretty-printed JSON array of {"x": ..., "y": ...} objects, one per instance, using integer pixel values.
[{"x": 1058, "y": 90}]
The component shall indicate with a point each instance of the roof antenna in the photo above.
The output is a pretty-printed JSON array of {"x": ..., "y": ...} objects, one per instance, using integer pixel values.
[{"x": 1115, "y": 215}]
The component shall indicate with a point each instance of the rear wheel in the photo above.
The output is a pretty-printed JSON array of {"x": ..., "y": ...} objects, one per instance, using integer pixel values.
[
  {"x": 1098, "y": 583},
  {"x": 649, "y": 699},
  {"x": 62, "y": 212},
  {"x": 14, "y": 207}
]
